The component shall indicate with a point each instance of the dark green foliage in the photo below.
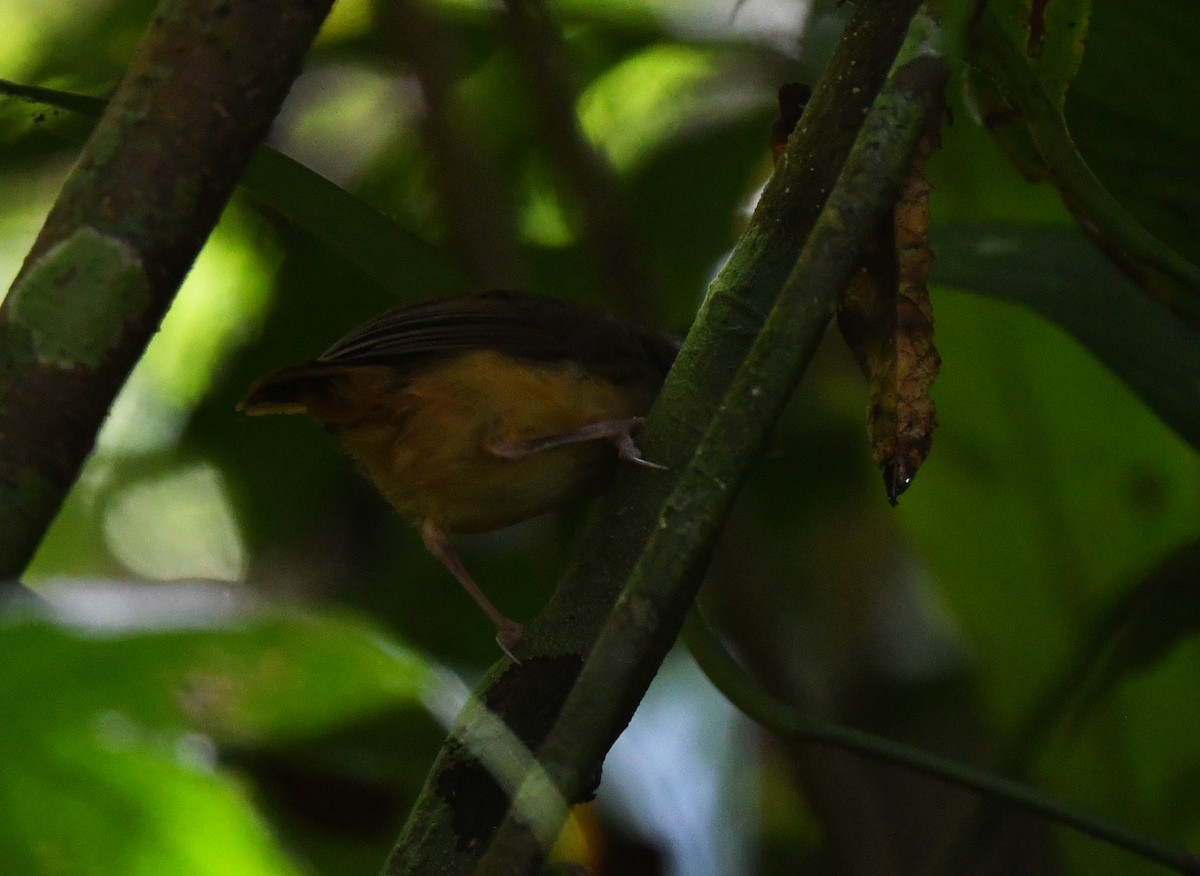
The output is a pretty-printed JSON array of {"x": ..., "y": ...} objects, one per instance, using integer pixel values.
[{"x": 966, "y": 621}]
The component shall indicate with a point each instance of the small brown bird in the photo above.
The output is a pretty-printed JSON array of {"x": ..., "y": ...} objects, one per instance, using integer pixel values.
[{"x": 476, "y": 412}]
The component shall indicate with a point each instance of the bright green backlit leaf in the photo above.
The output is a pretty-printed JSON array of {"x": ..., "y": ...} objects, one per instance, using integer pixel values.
[
  {"x": 661, "y": 93},
  {"x": 214, "y": 310},
  {"x": 119, "y": 702},
  {"x": 639, "y": 107},
  {"x": 110, "y": 800},
  {"x": 348, "y": 19},
  {"x": 178, "y": 525}
]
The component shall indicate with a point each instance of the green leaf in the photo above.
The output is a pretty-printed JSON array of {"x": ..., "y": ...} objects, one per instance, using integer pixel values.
[
  {"x": 1022, "y": 107},
  {"x": 1157, "y": 614},
  {"x": 662, "y": 94},
  {"x": 1132, "y": 115},
  {"x": 1056, "y": 271},
  {"x": 378, "y": 246},
  {"x": 116, "y": 695},
  {"x": 112, "y": 799},
  {"x": 1051, "y": 485}
]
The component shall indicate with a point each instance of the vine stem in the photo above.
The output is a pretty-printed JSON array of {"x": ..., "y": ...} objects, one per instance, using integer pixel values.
[{"x": 737, "y": 685}]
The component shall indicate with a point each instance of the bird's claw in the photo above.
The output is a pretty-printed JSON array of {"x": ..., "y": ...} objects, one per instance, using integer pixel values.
[{"x": 509, "y": 635}]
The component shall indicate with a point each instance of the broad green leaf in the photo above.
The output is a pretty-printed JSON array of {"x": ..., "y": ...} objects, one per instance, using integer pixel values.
[
  {"x": 378, "y": 246},
  {"x": 1157, "y": 614},
  {"x": 1056, "y": 271},
  {"x": 1051, "y": 485},
  {"x": 209, "y": 658},
  {"x": 1132, "y": 113},
  {"x": 1050, "y": 488},
  {"x": 1024, "y": 107},
  {"x": 115, "y": 799},
  {"x": 116, "y": 695}
]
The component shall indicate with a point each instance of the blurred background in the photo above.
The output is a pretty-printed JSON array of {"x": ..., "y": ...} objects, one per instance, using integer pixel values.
[{"x": 1012, "y": 612}]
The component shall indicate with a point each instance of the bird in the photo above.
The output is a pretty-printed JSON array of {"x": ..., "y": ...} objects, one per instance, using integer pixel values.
[{"x": 473, "y": 412}]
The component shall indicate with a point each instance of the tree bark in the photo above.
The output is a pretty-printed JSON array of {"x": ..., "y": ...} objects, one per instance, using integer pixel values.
[{"x": 200, "y": 93}]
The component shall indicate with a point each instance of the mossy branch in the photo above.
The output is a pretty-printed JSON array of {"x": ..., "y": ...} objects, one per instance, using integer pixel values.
[
  {"x": 200, "y": 93},
  {"x": 462, "y": 805}
]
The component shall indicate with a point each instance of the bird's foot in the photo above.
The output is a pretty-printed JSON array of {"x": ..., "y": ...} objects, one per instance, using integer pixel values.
[{"x": 509, "y": 634}]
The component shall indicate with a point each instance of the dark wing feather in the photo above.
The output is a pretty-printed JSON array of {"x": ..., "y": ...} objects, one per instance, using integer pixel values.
[
  {"x": 517, "y": 324},
  {"x": 469, "y": 322}
]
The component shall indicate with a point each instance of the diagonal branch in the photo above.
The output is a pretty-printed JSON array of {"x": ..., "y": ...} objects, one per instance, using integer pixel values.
[
  {"x": 462, "y": 803},
  {"x": 200, "y": 93},
  {"x": 650, "y": 611}
]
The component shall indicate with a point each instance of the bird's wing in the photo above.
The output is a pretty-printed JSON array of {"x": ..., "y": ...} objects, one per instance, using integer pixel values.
[{"x": 517, "y": 324}]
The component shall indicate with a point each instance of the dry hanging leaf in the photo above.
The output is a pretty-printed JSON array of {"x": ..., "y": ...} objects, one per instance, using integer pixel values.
[{"x": 886, "y": 318}]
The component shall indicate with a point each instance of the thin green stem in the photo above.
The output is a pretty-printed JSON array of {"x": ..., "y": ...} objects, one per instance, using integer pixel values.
[
  {"x": 732, "y": 680},
  {"x": 78, "y": 103}
]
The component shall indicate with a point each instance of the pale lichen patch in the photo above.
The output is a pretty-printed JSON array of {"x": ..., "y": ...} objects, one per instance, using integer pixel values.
[{"x": 75, "y": 300}]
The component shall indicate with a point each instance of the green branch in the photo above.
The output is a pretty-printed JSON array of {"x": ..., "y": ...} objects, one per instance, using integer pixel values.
[
  {"x": 650, "y": 611},
  {"x": 459, "y": 809}
]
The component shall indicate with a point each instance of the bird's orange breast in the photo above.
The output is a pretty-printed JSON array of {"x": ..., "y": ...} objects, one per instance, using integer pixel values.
[{"x": 426, "y": 441}]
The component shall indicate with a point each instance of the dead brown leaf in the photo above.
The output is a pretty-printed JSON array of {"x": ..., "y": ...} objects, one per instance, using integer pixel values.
[{"x": 887, "y": 320}]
